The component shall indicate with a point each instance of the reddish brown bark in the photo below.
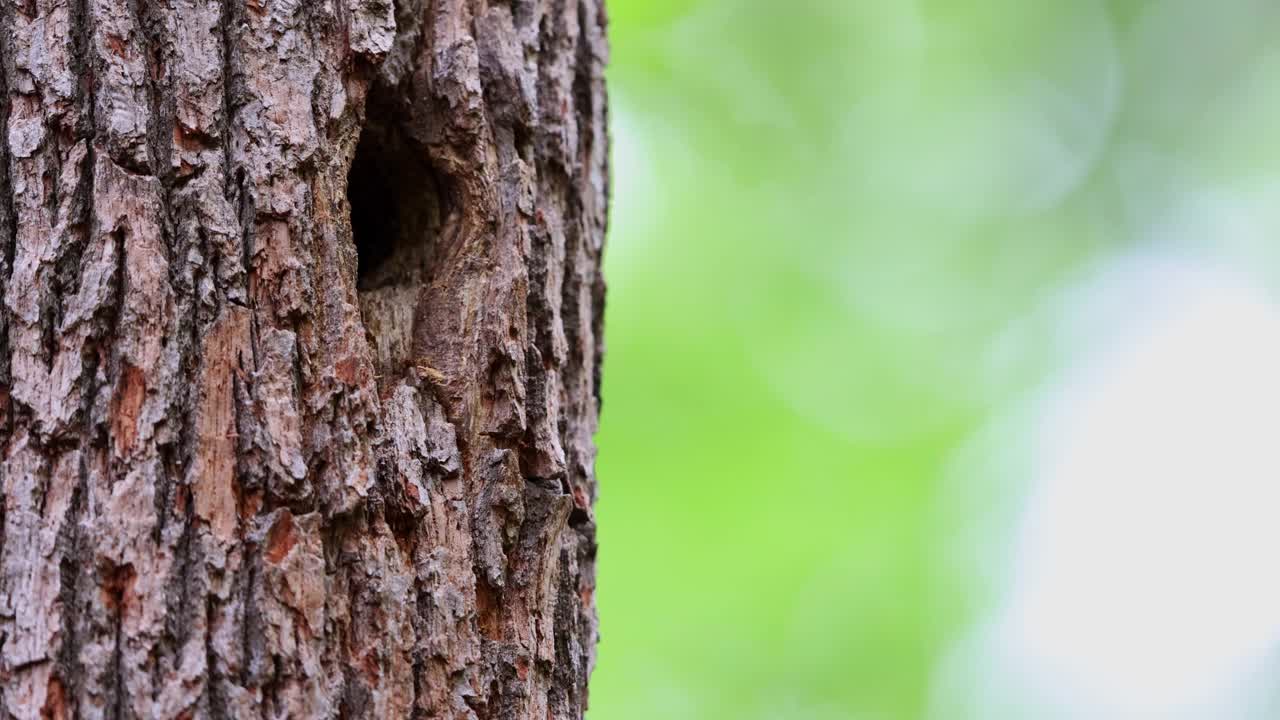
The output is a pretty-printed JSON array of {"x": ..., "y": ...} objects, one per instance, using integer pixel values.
[{"x": 299, "y": 357}]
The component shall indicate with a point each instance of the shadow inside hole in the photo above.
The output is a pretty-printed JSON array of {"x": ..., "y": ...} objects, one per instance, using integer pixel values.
[
  {"x": 395, "y": 219},
  {"x": 394, "y": 206},
  {"x": 374, "y": 223}
]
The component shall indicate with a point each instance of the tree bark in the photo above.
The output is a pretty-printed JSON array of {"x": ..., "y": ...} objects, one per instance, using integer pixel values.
[{"x": 299, "y": 357}]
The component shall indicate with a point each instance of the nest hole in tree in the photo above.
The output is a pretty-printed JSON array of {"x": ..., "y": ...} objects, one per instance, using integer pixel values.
[{"x": 395, "y": 218}]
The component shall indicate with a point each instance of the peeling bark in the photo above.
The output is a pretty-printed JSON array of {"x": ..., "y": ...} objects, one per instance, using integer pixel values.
[{"x": 299, "y": 357}]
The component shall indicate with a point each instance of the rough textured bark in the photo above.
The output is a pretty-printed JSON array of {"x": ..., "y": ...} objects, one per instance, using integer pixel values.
[{"x": 299, "y": 357}]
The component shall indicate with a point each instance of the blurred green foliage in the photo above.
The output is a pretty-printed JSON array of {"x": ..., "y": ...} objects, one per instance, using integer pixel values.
[{"x": 833, "y": 223}]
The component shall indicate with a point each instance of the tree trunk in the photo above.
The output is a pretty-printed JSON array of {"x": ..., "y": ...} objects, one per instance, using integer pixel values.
[{"x": 299, "y": 357}]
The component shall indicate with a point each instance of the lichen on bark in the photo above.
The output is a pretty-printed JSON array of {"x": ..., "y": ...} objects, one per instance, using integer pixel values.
[{"x": 253, "y": 464}]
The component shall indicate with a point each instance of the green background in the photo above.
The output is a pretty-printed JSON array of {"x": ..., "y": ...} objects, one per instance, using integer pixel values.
[{"x": 844, "y": 241}]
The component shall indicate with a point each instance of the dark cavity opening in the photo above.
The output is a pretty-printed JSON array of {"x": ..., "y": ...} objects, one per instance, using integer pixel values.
[
  {"x": 394, "y": 205},
  {"x": 395, "y": 219}
]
